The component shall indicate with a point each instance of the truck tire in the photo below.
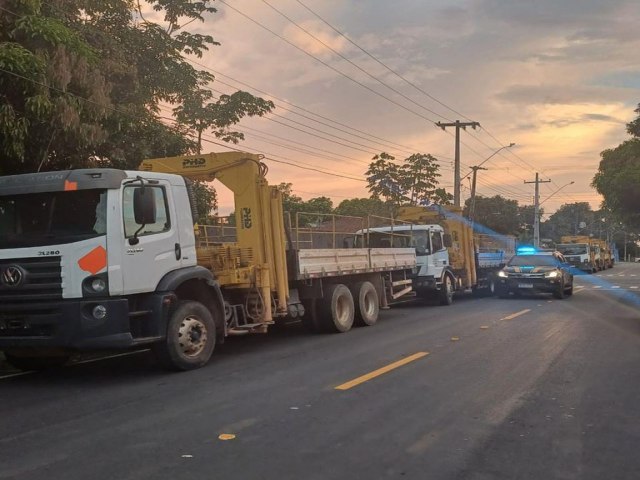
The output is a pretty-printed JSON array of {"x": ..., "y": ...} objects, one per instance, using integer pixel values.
[
  {"x": 27, "y": 363},
  {"x": 446, "y": 290},
  {"x": 336, "y": 312},
  {"x": 366, "y": 303},
  {"x": 191, "y": 337}
]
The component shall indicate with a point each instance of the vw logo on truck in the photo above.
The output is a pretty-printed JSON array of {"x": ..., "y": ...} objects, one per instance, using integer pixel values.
[{"x": 12, "y": 276}]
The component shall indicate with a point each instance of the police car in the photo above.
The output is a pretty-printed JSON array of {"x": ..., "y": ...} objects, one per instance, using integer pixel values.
[{"x": 536, "y": 270}]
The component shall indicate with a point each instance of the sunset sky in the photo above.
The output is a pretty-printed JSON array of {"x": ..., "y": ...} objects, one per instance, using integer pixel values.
[{"x": 558, "y": 78}]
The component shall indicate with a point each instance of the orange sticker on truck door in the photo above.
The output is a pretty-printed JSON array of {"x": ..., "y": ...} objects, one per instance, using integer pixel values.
[
  {"x": 70, "y": 186},
  {"x": 94, "y": 261}
]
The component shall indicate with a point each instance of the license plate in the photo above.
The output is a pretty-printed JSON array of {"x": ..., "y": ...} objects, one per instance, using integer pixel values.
[{"x": 525, "y": 285}]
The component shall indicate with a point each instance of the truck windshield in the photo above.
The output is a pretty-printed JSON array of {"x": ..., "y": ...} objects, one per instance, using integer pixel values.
[
  {"x": 38, "y": 219},
  {"x": 573, "y": 249}
]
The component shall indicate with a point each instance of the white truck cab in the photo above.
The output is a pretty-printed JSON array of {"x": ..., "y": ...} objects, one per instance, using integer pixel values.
[
  {"x": 90, "y": 259},
  {"x": 432, "y": 256}
]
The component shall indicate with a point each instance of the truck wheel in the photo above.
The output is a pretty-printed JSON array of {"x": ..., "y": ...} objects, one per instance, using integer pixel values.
[
  {"x": 35, "y": 363},
  {"x": 191, "y": 337},
  {"x": 337, "y": 309},
  {"x": 446, "y": 291},
  {"x": 366, "y": 303}
]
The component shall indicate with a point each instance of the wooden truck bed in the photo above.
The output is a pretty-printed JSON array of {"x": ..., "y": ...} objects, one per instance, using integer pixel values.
[{"x": 324, "y": 262}]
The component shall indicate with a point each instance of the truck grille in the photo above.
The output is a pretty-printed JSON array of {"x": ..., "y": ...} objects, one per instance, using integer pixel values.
[{"x": 42, "y": 280}]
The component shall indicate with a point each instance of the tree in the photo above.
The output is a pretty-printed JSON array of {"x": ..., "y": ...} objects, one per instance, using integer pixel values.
[
  {"x": 206, "y": 201},
  {"x": 84, "y": 83},
  {"x": 384, "y": 179},
  {"x": 414, "y": 182},
  {"x": 570, "y": 219},
  {"x": 294, "y": 204},
  {"x": 496, "y": 213},
  {"x": 199, "y": 115},
  {"x": 361, "y": 207},
  {"x": 618, "y": 176}
]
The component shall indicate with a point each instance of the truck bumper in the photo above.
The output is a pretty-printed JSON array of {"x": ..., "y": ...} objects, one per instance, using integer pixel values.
[
  {"x": 424, "y": 285},
  {"x": 72, "y": 324}
]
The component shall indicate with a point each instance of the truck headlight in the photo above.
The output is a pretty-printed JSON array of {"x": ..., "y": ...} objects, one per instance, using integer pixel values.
[
  {"x": 95, "y": 285},
  {"x": 552, "y": 274},
  {"x": 502, "y": 274}
]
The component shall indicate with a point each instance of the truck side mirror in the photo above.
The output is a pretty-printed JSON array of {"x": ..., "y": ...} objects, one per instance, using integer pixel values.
[
  {"x": 446, "y": 238},
  {"x": 144, "y": 206}
]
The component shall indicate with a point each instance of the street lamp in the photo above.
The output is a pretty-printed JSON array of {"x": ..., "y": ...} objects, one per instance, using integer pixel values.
[
  {"x": 566, "y": 185},
  {"x": 475, "y": 168},
  {"x": 489, "y": 158},
  {"x": 536, "y": 220}
]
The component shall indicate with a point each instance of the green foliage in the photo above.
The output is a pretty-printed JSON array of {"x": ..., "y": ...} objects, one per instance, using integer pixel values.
[
  {"x": 413, "y": 182},
  {"x": 497, "y": 213},
  {"x": 199, "y": 115},
  {"x": 618, "y": 177},
  {"x": 570, "y": 219},
  {"x": 384, "y": 179},
  {"x": 618, "y": 180},
  {"x": 292, "y": 204},
  {"x": 206, "y": 201},
  {"x": 361, "y": 207},
  {"x": 82, "y": 81},
  {"x": 633, "y": 127}
]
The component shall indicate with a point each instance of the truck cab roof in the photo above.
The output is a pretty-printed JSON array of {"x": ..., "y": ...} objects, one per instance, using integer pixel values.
[{"x": 402, "y": 228}]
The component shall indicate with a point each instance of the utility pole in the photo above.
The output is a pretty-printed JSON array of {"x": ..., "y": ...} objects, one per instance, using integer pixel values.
[
  {"x": 456, "y": 180},
  {"x": 472, "y": 205},
  {"x": 536, "y": 220}
]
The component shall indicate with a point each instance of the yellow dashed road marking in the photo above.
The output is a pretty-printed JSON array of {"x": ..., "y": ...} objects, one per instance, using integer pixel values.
[
  {"x": 376, "y": 373},
  {"x": 517, "y": 314}
]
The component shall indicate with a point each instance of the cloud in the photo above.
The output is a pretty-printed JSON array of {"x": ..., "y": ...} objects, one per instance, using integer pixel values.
[{"x": 559, "y": 94}]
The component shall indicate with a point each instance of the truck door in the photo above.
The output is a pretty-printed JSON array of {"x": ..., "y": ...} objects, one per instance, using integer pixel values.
[
  {"x": 440, "y": 254},
  {"x": 157, "y": 251}
]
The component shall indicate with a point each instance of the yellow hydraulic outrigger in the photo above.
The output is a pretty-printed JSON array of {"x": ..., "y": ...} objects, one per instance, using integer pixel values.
[{"x": 257, "y": 260}]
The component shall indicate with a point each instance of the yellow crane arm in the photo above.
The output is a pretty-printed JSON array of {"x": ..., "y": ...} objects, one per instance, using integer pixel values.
[{"x": 258, "y": 207}]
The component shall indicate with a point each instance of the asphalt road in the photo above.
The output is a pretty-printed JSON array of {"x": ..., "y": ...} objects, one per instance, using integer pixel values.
[{"x": 524, "y": 388}]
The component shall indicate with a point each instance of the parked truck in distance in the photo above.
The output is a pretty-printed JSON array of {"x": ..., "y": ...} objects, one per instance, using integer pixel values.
[
  {"x": 586, "y": 253},
  {"x": 103, "y": 258},
  {"x": 450, "y": 255}
]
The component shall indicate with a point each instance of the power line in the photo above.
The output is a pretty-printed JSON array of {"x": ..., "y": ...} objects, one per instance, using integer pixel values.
[
  {"x": 410, "y": 149},
  {"x": 373, "y": 77},
  {"x": 339, "y": 72},
  {"x": 383, "y": 64}
]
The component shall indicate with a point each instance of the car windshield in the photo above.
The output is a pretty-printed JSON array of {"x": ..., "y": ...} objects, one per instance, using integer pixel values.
[
  {"x": 533, "y": 260},
  {"x": 51, "y": 218}
]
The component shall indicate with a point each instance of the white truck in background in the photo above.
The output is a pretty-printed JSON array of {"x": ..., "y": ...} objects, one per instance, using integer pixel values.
[{"x": 450, "y": 255}]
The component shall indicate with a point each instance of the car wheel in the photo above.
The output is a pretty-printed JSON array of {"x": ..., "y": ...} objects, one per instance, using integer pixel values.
[{"x": 559, "y": 293}]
